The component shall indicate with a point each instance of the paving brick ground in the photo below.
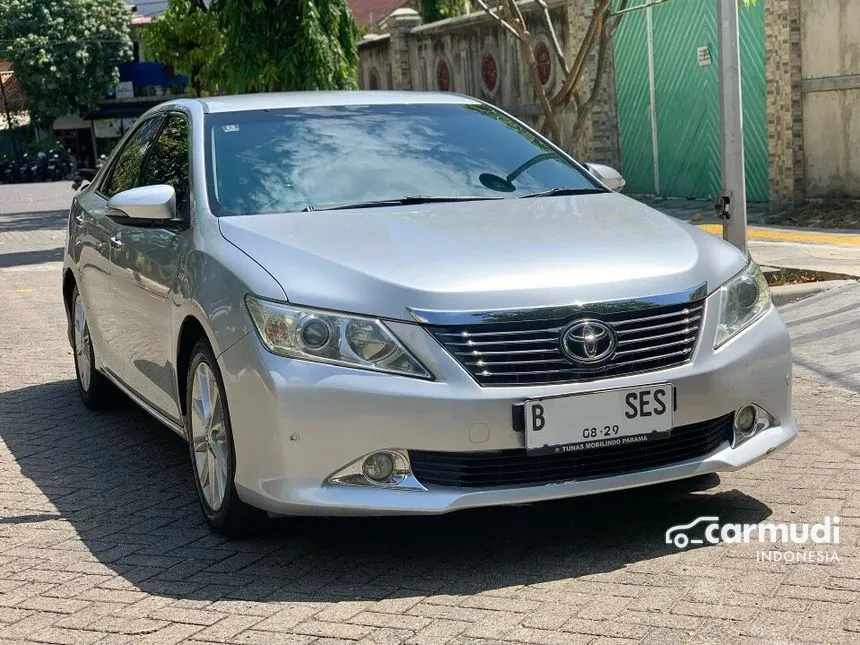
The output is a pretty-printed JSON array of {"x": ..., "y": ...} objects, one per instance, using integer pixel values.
[{"x": 101, "y": 540}]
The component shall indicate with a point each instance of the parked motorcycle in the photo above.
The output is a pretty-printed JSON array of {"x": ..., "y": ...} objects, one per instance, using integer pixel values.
[
  {"x": 56, "y": 166},
  {"x": 39, "y": 169},
  {"x": 10, "y": 172},
  {"x": 24, "y": 169}
]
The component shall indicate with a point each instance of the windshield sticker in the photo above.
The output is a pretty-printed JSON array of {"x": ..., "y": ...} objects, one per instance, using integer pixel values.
[{"x": 232, "y": 127}]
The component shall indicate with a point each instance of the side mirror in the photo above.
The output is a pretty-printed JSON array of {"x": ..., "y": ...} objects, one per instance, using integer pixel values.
[
  {"x": 607, "y": 175},
  {"x": 147, "y": 204},
  {"x": 86, "y": 173}
]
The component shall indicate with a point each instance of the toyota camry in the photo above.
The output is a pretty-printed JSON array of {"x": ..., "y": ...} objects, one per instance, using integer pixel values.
[{"x": 408, "y": 303}]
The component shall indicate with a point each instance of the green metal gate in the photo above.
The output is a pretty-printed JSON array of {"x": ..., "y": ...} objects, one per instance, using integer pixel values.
[{"x": 676, "y": 70}]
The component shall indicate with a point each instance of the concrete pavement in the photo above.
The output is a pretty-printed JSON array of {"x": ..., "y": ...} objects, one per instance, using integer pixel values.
[
  {"x": 800, "y": 249},
  {"x": 792, "y": 248}
]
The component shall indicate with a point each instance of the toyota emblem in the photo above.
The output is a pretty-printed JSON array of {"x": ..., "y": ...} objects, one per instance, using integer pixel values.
[{"x": 588, "y": 342}]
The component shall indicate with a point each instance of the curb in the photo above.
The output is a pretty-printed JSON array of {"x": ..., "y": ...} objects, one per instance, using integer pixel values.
[
  {"x": 790, "y": 235},
  {"x": 789, "y": 293}
]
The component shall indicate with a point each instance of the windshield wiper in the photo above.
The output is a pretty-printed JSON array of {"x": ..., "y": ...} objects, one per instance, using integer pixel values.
[
  {"x": 555, "y": 192},
  {"x": 399, "y": 201}
]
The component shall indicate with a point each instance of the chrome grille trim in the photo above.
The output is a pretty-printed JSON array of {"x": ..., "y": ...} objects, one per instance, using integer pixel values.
[
  {"x": 556, "y": 312},
  {"x": 551, "y": 339},
  {"x": 689, "y": 319},
  {"x": 503, "y": 354}
]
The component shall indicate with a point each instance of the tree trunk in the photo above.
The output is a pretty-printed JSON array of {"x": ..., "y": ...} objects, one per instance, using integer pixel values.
[{"x": 550, "y": 125}]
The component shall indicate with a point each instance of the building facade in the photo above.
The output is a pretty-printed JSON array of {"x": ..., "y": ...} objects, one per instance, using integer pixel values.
[
  {"x": 656, "y": 117},
  {"x": 473, "y": 55},
  {"x": 142, "y": 84}
]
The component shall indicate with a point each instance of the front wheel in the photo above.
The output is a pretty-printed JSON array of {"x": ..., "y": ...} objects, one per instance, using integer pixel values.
[{"x": 213, "y": 454}]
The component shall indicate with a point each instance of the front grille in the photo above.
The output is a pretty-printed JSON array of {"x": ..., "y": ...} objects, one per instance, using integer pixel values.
[
  {"x": 516, "y": 468},
  {"x": 529, "y": 353}
]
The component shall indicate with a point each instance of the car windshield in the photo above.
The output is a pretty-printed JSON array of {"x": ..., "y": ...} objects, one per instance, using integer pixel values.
[{"x": 285, "y": 160}]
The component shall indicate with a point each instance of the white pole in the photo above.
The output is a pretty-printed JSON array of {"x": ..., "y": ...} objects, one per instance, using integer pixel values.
[
  {"x": 652, "y": 98},
  {"x": 734, "y": 198}
]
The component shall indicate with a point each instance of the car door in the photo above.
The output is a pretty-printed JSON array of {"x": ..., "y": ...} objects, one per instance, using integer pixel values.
[
  {"x": 144, "y": 264},
  {"x": 95, "y": 243}
]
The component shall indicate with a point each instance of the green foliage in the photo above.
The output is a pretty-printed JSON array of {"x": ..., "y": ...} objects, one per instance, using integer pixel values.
[
  {"x": 168, "y": 162},
  {"x": 189, "y": 39},
  {"x": 433, "y": 10},
  {"x": 274, "y": 45},
  {"x": 64, "y": 52}
]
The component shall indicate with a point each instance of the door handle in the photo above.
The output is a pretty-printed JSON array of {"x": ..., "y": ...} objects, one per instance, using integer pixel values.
[{"x": 115, "y": 242}]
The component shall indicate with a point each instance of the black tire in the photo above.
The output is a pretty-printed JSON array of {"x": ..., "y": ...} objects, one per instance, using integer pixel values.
[
  {"x": 97, "y": 392},
  {"x": 232, "y": 517}
]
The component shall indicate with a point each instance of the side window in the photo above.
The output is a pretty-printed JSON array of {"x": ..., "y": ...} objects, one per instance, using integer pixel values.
[
  {"x": 168, "y": 161},
  {"x": 125, "y": 170}
]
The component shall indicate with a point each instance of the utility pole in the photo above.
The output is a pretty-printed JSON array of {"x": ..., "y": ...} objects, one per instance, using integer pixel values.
[{"x": 732, "y": 205}]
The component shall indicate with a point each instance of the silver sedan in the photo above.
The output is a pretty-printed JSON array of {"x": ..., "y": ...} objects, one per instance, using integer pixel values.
[{"x": 382, "y": 303}]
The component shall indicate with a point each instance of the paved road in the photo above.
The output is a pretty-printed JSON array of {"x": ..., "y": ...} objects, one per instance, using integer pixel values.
[
  {"x": 101, "y": 540},
  {"x": 825, "y": 251}
]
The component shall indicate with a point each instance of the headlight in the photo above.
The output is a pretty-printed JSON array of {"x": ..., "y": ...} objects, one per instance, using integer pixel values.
[
  {"x": 313, "y": 335},
  {"x": 743, "y": 300}
]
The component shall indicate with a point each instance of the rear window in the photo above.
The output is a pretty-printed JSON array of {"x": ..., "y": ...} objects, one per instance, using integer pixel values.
[{"x": 269, "y": 161}]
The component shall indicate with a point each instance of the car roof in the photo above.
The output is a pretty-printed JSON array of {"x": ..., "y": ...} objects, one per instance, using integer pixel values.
[{"x": 276, "y": 100}]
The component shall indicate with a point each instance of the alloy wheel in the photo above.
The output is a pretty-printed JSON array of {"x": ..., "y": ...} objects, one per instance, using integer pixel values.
[
  {"x": 83, "y": 350},
  {"x": 209, "y": 437}
]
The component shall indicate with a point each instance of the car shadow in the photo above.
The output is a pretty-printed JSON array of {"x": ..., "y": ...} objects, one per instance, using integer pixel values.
[
  {"x": 22, "y": 258},
  {"x": 123, "y": 482},
  {"x": 34, "y": 220}
]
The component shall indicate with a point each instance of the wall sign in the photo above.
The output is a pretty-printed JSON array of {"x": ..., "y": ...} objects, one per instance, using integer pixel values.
[
  {"x": 112, "y": 128},
  {"x": 125, "y": 90},
  {"x": 703, "y": 56}
]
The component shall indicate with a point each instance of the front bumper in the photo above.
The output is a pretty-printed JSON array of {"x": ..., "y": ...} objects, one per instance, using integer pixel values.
[{"x": 295, "y": 423}]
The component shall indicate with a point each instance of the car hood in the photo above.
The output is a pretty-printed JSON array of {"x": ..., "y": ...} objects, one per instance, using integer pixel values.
[{"x": 482, "y": 255}]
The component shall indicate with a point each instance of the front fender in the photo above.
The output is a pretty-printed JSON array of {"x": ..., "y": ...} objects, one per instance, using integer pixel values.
[{"x": 211, "y": 287}]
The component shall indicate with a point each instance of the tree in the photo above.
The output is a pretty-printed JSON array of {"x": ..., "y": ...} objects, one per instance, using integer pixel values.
[
  {"x": 598, "y": 37},
  {"x": 64, "y": 52},
  {"x": 273, "y": 45},
  {"x": 433, "y": 10},
  {"x": 189, "y": 39}
]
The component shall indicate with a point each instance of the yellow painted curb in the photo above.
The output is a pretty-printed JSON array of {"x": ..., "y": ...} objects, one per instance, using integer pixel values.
[{"x": 780, "y": 235}]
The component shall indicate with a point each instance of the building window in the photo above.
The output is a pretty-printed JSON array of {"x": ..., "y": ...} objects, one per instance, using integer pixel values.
[
  {"x": 443, "y": 76},
  {"x": 489, "y": 73},
  {"x": 373, "y": 81},
  {"x": 544, "y": 62}
]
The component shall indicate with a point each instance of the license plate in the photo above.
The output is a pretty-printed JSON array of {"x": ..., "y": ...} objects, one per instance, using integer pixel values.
[{"x": 604, "y": 419}]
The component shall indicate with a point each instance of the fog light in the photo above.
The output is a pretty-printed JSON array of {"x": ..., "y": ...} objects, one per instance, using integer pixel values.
[
  {"x": 378, "y": 467},
  {"x": 745, "y": 419},
  {"x": 388, "y": 468},
  {"x": 749, "y": 421}
]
